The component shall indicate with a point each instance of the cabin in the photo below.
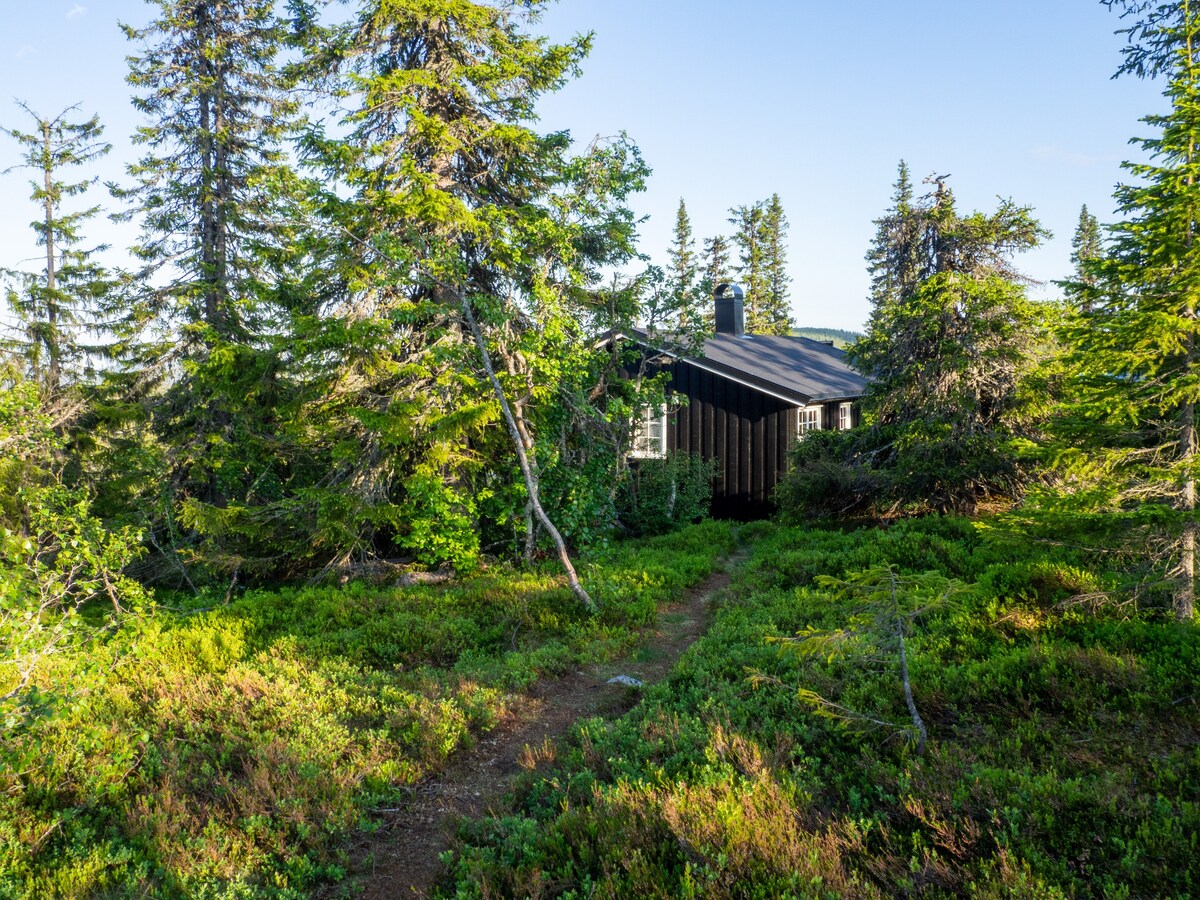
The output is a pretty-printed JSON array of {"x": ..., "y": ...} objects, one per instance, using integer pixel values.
[{"x": 744, "y": 402}]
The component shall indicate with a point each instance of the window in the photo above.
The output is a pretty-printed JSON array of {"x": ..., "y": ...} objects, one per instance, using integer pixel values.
[
  {"x": 809, "y": 420},
  {"x": 845, "y": 418},
  {"x": 650, "y": 434}
]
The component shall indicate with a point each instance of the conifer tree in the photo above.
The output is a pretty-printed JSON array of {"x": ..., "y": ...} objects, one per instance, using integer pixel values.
[
  {"x": 894, "y": 260},
  {"x": 778, "y": 308},
  {"x": 1085, "y": 247},
  {"x": 684, "y": 273},
  {"x": 1134, "y": 342},
  {"x": 461, "y": 244},
  {"x": 208, "y": 196},
  {"x": 716, "y": 264},
  {"x": 206, "y": 191},
  {"x": 751, "y": 268},
  {"x": 60, "y": 300},
  {"x": 714, "y": 261},
  {"x": 948, "y": 344}
]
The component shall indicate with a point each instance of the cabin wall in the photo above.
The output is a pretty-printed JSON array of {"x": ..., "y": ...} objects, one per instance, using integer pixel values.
[{"x": 748, "y": 432}]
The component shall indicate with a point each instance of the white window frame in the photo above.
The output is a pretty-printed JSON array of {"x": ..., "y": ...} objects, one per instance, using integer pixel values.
[
  {"x": 809, "y": 418},
  {"x": 643, "y": 443},
  {"x": 845, "y": 419}
]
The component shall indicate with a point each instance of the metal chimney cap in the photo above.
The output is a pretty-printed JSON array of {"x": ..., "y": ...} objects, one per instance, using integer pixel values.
[{"x": 727, "y": 291}]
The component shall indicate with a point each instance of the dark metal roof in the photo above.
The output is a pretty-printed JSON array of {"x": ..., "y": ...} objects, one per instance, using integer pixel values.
[{"x": 794, "y": 368}]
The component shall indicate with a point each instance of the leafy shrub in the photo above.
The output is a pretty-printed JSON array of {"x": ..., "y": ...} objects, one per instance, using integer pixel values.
[
  {"x": 58, "y": 566},
  {"x": 660, "y": 495}
]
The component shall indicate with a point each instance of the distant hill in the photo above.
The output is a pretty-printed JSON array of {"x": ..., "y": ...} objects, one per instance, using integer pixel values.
[{"x": 839, "y": 337}]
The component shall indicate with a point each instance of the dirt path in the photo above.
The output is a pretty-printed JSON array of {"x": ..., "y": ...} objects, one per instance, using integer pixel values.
[{"x": 401, "y": 859}]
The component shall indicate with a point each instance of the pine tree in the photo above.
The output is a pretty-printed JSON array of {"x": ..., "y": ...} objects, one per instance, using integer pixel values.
[
  {"x": 752, "y": 265},
  {"x": 1134, "y": 343},
  {"x": 778, "y": 308},
  {"x": 54, "y": 304}
]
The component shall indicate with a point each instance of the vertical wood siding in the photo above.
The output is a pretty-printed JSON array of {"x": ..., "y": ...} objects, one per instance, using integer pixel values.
[{"x": 749, "y": 434}]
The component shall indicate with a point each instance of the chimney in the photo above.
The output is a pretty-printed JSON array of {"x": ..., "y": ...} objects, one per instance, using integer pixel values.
[{"x": 730, "y": 317}]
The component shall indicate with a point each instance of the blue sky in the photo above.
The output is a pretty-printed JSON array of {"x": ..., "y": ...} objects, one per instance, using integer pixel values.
[{"x": 731, "y": 102}]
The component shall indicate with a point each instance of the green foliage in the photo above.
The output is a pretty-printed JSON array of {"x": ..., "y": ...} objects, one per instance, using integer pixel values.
[
  {"x": 775, "y": 228},
  {"x": 1086, "y": 247},
  {"x": 716, "y": 269},
  {"x": 62, "y": 559},
  {"x": 441, "y": 522},
  {"x": 688, "y": 295},
  {"x": 885, "y": 606},
  {"x": 454, "y": 249},
  {"x": 841, "y": 338},
  {"x": 761, "y": 238},
  {"x": 949, "y": 355},
  {"x": 1127, "y": 439},
  {"x": 660, "y": 495},
  {"x": 200, "y": 380},
  {"x": 56, "y": 305},
  {"x": 232, "y": 751},
  {"x": 1061, "y": 759},
  {"x": 828, "y": 476},
  {"x": 60, "y": 569}
]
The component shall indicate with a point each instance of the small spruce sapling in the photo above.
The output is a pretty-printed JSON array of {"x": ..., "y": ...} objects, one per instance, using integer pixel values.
[{"x": 886, "y": 605}]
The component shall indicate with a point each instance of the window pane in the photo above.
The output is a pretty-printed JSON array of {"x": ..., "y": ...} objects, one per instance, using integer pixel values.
[{"x": 650, "y": 434}]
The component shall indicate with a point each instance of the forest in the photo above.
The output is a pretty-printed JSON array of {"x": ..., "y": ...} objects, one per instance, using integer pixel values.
[{"x": 325, "y": 569}]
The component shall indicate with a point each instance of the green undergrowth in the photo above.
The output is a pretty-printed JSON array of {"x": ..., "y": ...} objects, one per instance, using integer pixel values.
[
  {"x": 229, "y": 752},
  {"x": 1063, "y": 756}
]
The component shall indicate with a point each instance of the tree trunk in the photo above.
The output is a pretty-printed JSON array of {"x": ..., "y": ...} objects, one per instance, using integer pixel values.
[
  {"x": 527, "y": 470},
  {"x": 208, "y": 188},
  {"x": 918, "y": 723},
  {"x": 530, "y": 534},
  {"x": 1185, "y": 593},
  {"x": 53, "y": 347}
]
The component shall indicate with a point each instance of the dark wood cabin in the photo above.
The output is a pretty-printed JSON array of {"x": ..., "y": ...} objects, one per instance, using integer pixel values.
[{"x": 744, "y": 402}]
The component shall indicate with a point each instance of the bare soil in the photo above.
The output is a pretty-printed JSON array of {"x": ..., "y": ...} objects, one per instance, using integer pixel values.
[{"x": 400, "y": 859}]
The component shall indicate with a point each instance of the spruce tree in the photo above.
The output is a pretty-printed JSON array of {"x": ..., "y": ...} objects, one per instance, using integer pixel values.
[
  {"x": 894, "y": 260},
  {"x": 208, "y": 194},
  {"x": 1085, "y": 247},
  {"x": 778, "y": 307},
  {"x": 751, "y": 268},
  {"x": 462, "y": 246},
  {"x": 948, "y": 345},
  {"x": 714, "y": 271},
  {"x": 716, "y": 264},
  {"x": 55, "y": 304},
  {"x": 684, "y": 273},
  {"x": 1134, "y": 342}
]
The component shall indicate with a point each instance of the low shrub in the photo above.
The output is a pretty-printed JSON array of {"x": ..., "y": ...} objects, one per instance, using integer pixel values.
[
  {"x": 231, "y": 750},
  {"x": 1061, "y": 759}
]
